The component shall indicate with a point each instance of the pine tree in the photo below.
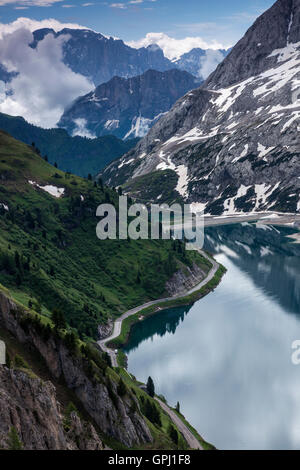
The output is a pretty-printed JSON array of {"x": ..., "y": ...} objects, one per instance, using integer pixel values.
[
  {"x": 14, "y": 442},
  {"x": 121, "y": 388},
  {"x": 150, "y": 387},
  {"x": 152, "y": 413},
  {"x": 18, "y": 280},
  {"x": 27, "y": 264},
  {"x": 178, "y": 407},
  {"x": 58, "y": 319},
  {"x": 173, "y": 434},
  {"x": 156, "y": 415},
  {"x": 17, "y": 260},
  {"x": 107, "y": 359},
  {"x": 71, "y": 341}
]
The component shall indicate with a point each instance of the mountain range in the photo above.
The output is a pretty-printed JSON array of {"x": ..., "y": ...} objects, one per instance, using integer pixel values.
[
  {"x": 100, "y": 58},
  {"x": 232, "y": 143},
  {"x": 127, "y": 108}
]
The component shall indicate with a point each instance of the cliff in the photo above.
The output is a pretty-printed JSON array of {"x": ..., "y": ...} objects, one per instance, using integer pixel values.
[
  {"x": 30, "y": 406},
  {"x": 97, "y": 390}
]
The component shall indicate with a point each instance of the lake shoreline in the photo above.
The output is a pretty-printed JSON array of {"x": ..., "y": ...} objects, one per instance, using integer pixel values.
[{"x": 123, "y": 339}]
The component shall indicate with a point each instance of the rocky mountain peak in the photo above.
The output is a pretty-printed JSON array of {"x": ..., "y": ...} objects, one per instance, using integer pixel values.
[
  {"x": 234, "y": 142},
  {"x": 277, "y": 27},
  {"x": 127, "y": 108}
]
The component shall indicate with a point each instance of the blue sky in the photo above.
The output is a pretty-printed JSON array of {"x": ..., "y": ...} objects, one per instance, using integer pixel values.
[{"x": 212, "y": 20}]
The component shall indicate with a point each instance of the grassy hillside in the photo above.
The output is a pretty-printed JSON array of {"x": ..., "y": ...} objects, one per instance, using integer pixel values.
[
  {"x": 50, "y": 257},
  {"x": 75, "y": 154}
]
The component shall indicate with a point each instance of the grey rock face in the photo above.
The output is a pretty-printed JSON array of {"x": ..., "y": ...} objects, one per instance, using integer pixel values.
[
  {"x": 272, "y": 30},
  {"x": 100, "y": 58},
  {"x": 184, "y": 280},
  {"x": 31, "y": 407},
  {"x": 105, "y": 330},
  {"x": 127, "y": 108},
  {"x": 234, "y": 142},
  {"x": 114, "y": 415}
]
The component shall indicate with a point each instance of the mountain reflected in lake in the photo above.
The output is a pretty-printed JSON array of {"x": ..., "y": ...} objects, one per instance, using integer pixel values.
[
  {"x": 227, "y": 359},
  {"x": 266, "y": 254}
]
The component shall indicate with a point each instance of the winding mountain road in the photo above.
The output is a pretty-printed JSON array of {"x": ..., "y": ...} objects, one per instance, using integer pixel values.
[
  {"x": 187, "y": 434},
  {"x": 118, "y": 323},
  {"x": 191, "y": 440}
]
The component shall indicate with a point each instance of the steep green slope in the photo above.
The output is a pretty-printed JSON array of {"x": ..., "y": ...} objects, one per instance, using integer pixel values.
[
  {"x": 78, "y": 155},
  {"x": 50, "y": 257}
]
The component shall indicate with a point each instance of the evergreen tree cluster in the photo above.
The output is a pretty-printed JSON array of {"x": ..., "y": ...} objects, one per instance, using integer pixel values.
[{"x": 150, "y": 410}]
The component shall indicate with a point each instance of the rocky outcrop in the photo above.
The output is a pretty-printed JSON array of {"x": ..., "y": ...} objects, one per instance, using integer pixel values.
[
  {"x": 233, "y": 143},
  {"x": 116, "y": 416},
  {"x": 128, "y": 108},
  {"x": 184, "y": 280},
  {"x": 30, "y": 406},
  {"x": 106, "y": 329}
]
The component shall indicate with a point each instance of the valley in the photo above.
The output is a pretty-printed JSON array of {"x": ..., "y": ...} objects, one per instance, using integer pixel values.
[{"x": 119, "y": 336}]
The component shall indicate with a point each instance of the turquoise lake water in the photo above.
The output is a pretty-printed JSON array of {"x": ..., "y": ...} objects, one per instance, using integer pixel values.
[{"x": 227, "y": 358}]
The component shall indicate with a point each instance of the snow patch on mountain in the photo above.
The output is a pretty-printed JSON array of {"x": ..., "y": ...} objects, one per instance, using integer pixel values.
[
  {"x": 112, "y": 124},
  {"x": 139, "y": 127},
  {"x": 183, "y": 180},
  {"x": 4, "y": 206},
  {"x": 263, "y": 151},
  {"x": 50, "y": 189},
  {"x": 229, "y": 204}
]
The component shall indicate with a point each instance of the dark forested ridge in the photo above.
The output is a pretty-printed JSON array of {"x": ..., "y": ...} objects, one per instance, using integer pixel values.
[{"x": 77, "y": 155}]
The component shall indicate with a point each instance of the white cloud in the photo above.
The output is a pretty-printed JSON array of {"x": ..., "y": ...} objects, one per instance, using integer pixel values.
[
  {"x": 33, "y": 25},
  {"x": 37, "y": 3},
  {"x": 122, "y": 6},
  {"x": 44, "y": 86},
  {"x": 81, "y": 129},
  {"x": 174, "y": 48},
  {"x": 209, "y": 62}
]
